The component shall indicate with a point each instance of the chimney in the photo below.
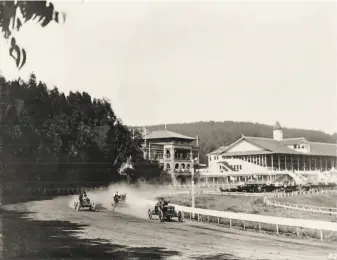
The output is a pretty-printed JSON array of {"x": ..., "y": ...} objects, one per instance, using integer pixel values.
[{"x": 277, "y": 132}]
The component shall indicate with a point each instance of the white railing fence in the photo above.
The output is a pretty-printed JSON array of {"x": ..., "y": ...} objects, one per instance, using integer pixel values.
[
  {"x": 69, "y": 190},
  {"x": 310, "y": 208},
  {"x": 313, "y": 228}
]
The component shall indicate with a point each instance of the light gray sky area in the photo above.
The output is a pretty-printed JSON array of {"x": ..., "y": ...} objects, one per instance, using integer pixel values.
[{"x": 166, "y": 62}]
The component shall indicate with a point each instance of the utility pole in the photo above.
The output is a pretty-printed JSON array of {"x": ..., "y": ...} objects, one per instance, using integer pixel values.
[
  {"x": 192, "y": 187},
  {"x": 145, "y": 145}
]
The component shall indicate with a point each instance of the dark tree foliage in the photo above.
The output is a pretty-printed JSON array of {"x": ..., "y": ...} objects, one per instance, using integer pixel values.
[
  {"x": 148, "y": 171},
  {"x": 56, "y": 138},
  {"x": 215, "y": 134},
  {"x": 14, "y": 14}
]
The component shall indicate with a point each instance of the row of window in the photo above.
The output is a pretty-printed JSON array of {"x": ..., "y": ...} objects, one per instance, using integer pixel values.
[
  {"x": 299, "y": 146},
  {"x": 237, "y": 167},
  {"x": 182, "y": 166},
  {"x": 215, "y": 158}
]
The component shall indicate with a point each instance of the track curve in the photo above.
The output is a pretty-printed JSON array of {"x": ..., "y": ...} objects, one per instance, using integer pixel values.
[{"x": 189, "y": 239}]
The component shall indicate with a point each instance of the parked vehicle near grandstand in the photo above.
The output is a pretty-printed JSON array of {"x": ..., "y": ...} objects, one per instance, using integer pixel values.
[{"x": 271, "y": 187}]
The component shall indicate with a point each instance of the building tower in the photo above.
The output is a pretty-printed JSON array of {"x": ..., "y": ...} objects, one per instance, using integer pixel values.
[{"x": 277, "y": 132}]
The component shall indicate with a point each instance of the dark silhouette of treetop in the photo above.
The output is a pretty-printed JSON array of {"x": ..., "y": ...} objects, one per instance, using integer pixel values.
[{"x": 14, "y": 14}]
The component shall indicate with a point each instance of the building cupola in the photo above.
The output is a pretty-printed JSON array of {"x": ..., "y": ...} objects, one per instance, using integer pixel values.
[{"x": 277, "y": 132}]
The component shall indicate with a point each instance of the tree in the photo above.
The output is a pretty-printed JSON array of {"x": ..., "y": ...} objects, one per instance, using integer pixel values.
[
  {"x": 14, "y": 14},
  {"x": 54, "y": 138}
]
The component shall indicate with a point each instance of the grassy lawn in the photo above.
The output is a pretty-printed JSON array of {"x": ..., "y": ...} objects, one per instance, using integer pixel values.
[
  {"x": 255, "y": 205},
  {"x": 322, "y": 200}
]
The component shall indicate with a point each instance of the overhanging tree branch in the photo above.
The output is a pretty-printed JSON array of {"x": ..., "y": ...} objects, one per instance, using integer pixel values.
[{"x": 14, "y": 14}]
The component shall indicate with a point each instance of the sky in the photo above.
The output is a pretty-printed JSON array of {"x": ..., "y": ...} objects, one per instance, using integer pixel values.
[{"x": 174, "y": 62}]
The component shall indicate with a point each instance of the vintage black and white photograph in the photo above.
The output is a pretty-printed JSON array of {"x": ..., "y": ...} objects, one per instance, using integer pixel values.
[{"x": 193, "y": 130}]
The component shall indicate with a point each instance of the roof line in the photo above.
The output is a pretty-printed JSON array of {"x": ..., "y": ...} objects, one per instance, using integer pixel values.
[
  {"x": 231, "y": 145},
  {"x": 294, "y": 138},
  {"x": 213, "y": 152},
  {"x": 322, "y": 143},
  {"x": 182, "y": 135},
  {"x": 260, "y": 137},
  {"x": 264, "y": 148}
]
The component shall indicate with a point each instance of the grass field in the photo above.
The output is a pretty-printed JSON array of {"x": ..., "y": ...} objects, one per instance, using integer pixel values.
[
  {"x": 321, "y": 200},
  {"x": 255, "y": 205}
]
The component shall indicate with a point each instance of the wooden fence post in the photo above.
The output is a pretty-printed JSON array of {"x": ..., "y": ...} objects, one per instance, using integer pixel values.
[
  {"x": 321, "y": 232},
  {"x": 230, "y": 222},
  {"x": 277, "y": 229},
  {"x": 259, "y": 226}
]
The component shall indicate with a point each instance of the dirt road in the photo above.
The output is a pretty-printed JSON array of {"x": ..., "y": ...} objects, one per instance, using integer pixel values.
[{"x": 55, "y": 231}]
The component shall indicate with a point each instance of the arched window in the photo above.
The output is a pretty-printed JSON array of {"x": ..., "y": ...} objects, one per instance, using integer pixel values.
[
  {"x": 168, "y": 166},
  {"x": 176, "y": 166},
  {"x": 182, "y": 166},
  {"x": 188, "y": 166}
]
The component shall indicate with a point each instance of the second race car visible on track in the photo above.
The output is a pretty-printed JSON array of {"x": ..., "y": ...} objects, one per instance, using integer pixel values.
[
  {"x": 84, "y": 202},
  {"x": 118, "y": 199},
  {"x": 165, "y": 211}
]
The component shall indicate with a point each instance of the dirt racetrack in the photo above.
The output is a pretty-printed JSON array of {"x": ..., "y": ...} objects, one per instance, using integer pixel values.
[{"x": 49, "y": 229}]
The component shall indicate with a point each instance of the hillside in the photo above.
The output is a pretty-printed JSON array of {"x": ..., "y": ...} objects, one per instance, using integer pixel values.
[{"x": 214, "y": 134}]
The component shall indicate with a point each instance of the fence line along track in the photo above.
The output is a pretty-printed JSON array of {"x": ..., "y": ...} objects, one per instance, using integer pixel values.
[
  {"x": 259, "y": 220},
  {"x": 310, "y": 208}
]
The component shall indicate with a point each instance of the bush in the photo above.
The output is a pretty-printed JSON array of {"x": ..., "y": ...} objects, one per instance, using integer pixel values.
[{"x": 233, "y": 209}]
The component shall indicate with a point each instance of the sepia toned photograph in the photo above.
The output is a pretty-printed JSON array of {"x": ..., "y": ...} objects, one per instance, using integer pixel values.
[{"x": 192, "y": 130}]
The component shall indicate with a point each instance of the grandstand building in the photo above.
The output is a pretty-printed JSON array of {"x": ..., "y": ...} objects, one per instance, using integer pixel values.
[
  {"x": 262, "y": 159},
  {"x": 175, "y": 153}
]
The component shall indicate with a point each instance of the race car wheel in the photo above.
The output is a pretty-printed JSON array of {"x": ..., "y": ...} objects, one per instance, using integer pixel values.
[
  {"x": 160, "y": 215},
  {"x": 150, "y": 214},
  {"x": 180, "y": 217},
  {"x": 78, "y": 207}
]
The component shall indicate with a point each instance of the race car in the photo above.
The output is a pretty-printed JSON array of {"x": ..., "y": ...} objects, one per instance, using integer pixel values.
[
  {"x": 84, "y": 202},
  {"x": 118, "y": 199},
  {"x": 165, "y": 211}
]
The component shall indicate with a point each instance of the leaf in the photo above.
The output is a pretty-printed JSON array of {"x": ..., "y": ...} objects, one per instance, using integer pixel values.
[
  {"x": 15, "y": 49},
  {"x": 23, "y": 58},
  {"x": 40, "y": 19},
  {"x": 57, "y": 17},
  {"x": 18, "y": 24}
]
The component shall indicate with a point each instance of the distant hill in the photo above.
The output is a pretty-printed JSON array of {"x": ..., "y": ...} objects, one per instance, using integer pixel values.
[{"x": 214, "y": 134}]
